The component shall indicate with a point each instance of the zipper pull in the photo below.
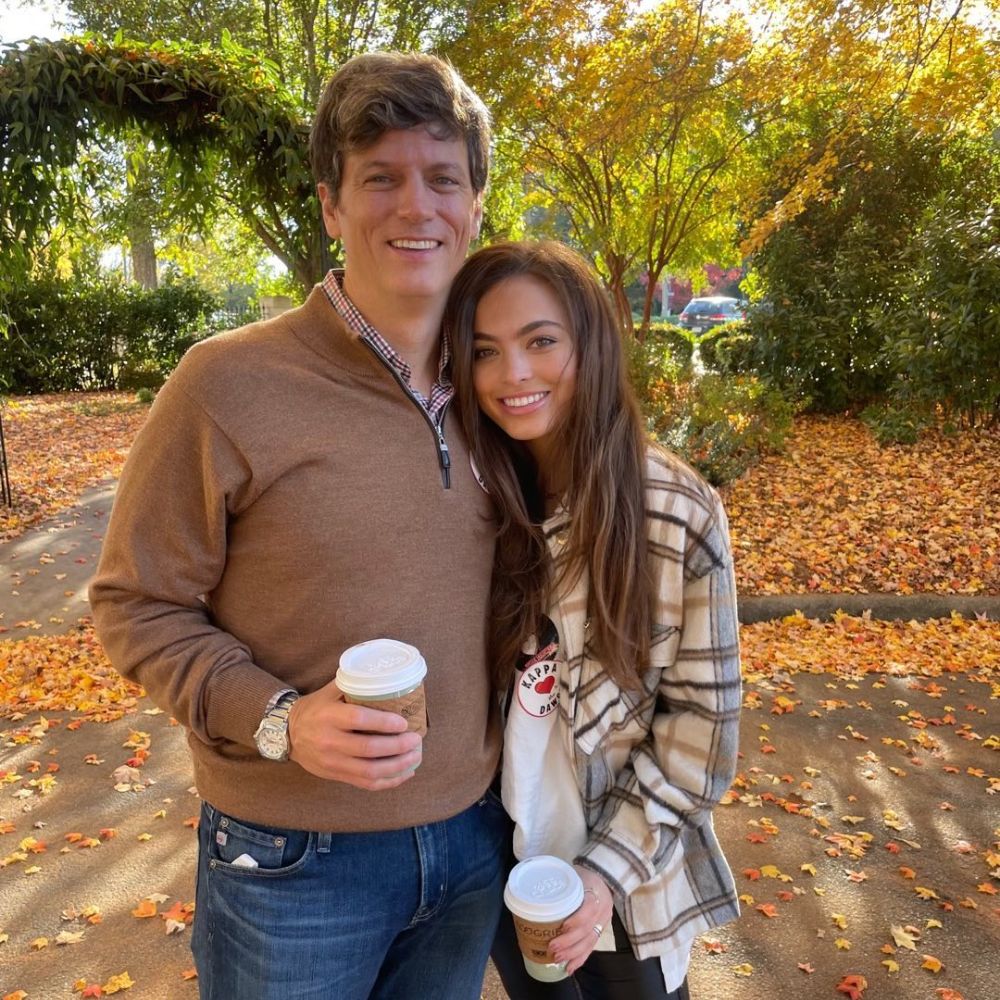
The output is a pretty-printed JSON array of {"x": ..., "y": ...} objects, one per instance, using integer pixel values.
[{"x": 445, "y": 457}]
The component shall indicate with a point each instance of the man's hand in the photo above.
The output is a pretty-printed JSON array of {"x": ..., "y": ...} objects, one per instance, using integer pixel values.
[
  {"x": 360, "y": 746},
  {"x": 579, "y": 933}
]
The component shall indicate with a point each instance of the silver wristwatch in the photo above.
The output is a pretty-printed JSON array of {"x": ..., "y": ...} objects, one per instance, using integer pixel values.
[{"x": 272, "y": 733}]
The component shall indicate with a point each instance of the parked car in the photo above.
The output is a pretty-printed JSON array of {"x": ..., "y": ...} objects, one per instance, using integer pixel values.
[{"x": 700, "y": 315}]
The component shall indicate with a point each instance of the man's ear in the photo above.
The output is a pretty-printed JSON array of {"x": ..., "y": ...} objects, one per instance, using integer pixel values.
[
  {"x": 331, "y": 213},
  {"x": 477, "y": 216}
]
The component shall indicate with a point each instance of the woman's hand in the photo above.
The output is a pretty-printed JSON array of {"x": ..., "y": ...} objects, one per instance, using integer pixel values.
[{"x": 581, "y": 929}]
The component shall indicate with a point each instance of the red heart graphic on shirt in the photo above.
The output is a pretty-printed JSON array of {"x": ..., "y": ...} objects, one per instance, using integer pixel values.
[{"x": 545, "y": 686}]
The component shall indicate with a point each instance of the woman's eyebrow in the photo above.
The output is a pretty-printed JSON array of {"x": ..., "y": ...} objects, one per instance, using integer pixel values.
[{"x": 524, "y": 331}]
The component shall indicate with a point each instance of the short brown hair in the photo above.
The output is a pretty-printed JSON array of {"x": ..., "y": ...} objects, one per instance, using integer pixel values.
[{"x": 379, "y": 91}]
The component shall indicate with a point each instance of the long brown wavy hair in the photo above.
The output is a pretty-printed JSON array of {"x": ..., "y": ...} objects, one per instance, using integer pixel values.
[{"x": 600, "y": 444}]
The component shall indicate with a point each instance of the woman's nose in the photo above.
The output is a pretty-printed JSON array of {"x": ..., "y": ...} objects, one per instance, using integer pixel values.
[{"x": 518, "y": 367}]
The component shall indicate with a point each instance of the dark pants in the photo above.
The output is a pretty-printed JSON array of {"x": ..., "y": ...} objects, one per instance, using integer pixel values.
[{"x": 606, "y": 975}]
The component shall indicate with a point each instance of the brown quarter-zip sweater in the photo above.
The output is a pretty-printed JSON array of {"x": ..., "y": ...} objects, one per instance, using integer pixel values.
[{"x": 285, "y": 500}]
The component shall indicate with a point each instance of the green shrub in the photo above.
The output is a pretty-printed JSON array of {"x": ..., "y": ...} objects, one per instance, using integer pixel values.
[
  {"x": 943, "y": 339},
  {"x": 654, "y": 371},
  {"x": 98, "y": 333},
  {"x": 892, "y": 424},
  {"x": 728, "y": 349},
  {"x": 827, "y": 275},
  {"x": 720, "y": 424},
  {"x": 817, "y": 338},
  {"x": 675, "y": 340},
  {"x": 723, "y": 424}
]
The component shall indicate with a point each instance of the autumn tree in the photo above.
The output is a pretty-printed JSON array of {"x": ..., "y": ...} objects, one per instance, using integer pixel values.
[
  {"x": 630, "y": 124},
  {"x": 851, "y": 70},
  {"x": 889, "y": 119}
]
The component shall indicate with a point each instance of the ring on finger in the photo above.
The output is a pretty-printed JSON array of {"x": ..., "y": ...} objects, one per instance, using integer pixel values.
[
  {"x": 598, "y": 929},
  {"x": 597, "y": 898}
]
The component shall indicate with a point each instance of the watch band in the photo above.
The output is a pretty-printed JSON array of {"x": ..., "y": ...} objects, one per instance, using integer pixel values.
[
  {"x": 276, "y": 697},
  {"x": 272, "y": 733}
]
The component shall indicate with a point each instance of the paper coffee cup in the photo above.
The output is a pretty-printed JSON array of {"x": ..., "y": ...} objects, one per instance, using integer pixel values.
[
  {"x": 541, "y": 893},
  {"x": 387, "y": 675}
]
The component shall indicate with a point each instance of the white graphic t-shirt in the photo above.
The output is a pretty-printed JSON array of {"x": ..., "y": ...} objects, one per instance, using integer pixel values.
[{"x": 538, "y": 783}]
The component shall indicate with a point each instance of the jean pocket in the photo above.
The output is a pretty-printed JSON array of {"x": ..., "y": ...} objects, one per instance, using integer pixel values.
[
  {"x": 491, "y": 797},
  {"x": 255, "y": 850}
]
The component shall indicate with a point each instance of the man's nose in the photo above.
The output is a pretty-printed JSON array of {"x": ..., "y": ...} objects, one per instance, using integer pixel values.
[{"x": 415, "y": 200}]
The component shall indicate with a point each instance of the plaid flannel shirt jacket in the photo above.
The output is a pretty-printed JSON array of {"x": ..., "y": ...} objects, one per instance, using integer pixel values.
[{"x": 651, "y": 765}]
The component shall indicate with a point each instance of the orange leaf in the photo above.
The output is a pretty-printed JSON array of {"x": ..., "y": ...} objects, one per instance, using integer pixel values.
[
  {"x": 768, "y": 909},
  {"x": 147, "y": 908},
  {"x": 179, "y": 911},
  {"x": 932, "y": 964},
  {"x": 854, "y": 986}
]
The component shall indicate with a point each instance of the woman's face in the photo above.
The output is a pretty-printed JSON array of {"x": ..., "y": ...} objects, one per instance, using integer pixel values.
[{"x": 524, "y": 367}]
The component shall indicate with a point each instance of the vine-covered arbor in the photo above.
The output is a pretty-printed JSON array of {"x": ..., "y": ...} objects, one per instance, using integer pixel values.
[{"x": 228, "y": 127}]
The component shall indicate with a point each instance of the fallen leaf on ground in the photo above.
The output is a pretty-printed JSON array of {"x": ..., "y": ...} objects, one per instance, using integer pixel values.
[
  {"x": 853, "y": 986},
  {"x": 903, "y": 937}
]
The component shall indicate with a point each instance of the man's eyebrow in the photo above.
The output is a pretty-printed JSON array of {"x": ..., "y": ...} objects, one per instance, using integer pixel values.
[
  {"x": 389, "y": 164},
  {"x": 524, "y": 331}
]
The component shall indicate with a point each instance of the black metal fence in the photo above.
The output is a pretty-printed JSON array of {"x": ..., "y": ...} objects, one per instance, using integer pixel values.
[{"x": 5, "y": 494}]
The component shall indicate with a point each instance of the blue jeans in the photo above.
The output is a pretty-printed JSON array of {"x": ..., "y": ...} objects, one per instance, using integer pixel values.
[{"x": 391, "y": 915}]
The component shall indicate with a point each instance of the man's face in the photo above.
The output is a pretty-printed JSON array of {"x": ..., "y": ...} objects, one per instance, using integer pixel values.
[{"x": 406, "y": 213}]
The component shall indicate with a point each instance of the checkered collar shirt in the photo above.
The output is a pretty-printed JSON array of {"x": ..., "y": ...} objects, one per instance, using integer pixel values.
[{"x": 441, "y": 391}]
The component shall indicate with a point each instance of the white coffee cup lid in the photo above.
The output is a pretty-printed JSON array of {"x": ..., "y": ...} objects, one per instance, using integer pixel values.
[
  {"x": 380, "y": 667},
  {"x": 543, "y": 889}
]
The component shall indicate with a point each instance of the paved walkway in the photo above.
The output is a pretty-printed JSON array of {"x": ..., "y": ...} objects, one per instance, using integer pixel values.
[
  {"x": 44, "y": 572},
  {"x": 936, "y": 796}
]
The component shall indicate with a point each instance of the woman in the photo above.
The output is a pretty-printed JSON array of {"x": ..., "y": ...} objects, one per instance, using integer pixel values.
[{"x": 614, "y": 636}]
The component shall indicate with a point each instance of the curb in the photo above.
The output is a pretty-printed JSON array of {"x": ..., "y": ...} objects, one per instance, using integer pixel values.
[{"x": 885, "y": 607}]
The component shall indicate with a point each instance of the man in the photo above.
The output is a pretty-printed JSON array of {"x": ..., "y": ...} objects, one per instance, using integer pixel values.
[{"x": 298, "y": 488}]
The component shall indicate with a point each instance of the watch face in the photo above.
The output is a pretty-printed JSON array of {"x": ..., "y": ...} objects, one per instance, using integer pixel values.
[{"x": 272, "y": 743}]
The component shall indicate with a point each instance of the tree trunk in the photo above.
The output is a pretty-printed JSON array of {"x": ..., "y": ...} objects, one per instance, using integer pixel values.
[
  {"x": 616, "y": 286},
  {"x": 647, "y": 305},
  {"x": 142, "y": 207},
  {"x": 143, "y": 252}
]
